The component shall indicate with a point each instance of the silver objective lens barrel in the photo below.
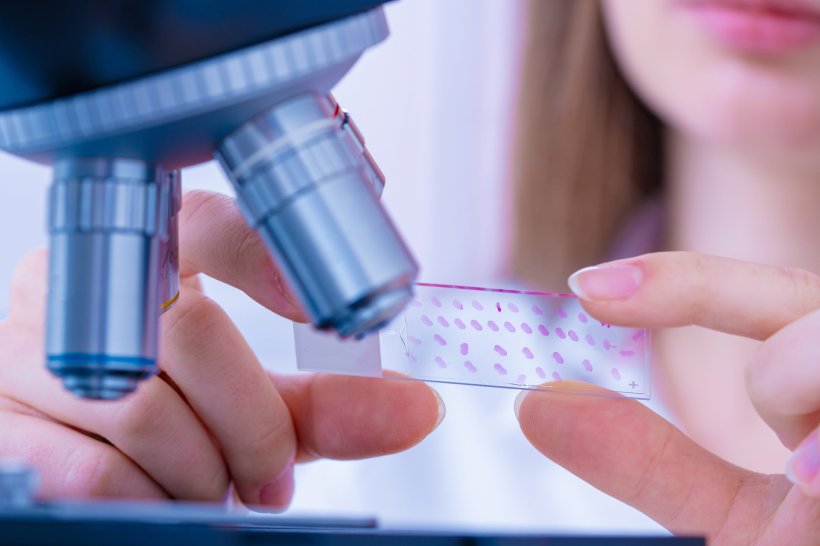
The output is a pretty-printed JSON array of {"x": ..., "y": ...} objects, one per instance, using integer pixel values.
[
  {"x": 108, "y": 280},
  {"x": 306, "y": 182},
  {"x": 302, "y": 175}
]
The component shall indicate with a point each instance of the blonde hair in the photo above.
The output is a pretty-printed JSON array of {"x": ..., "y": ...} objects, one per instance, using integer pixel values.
[{"x": 586, "y": 148}]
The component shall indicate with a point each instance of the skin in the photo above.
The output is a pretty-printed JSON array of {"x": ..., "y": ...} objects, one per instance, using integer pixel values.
[
  {"x": 729, "y": 135},
  {"x": 741, "y": 128},
  {"x": 631, "y": 453},
  {"x": 214, "y": 417},
  {"x": 751, "y": 103},
  {"x": 743, "y": 132}
]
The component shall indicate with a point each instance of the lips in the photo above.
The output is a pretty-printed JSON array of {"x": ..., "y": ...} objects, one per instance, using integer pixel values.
[{"x": 758, "y": 26}]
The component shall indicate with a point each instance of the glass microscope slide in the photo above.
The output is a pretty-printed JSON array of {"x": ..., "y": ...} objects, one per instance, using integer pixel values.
[{"x": 491, "y": 337}]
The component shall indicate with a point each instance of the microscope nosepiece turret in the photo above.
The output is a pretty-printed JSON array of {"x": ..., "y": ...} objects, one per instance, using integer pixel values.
[{"x": 246, "y": 81}]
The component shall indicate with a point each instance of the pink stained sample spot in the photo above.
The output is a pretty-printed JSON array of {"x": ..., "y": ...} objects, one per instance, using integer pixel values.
[
  {"x": 477, "y": 305},
  {"x": 512, "y": 307},
  {"x": 416, "y": 303},
  {"x": 458, "y": 305},
  {"x": 500, "y": 350},
  {"x": 556, "y": 376},
  {"x": 440, "y": 340},
  {"x": 414, "y": 340},
  {"x": 413, "y": 358},
  {"x": 443, "y": 322},
  {"x": 500, "y": 369},
  {"x": 626, "y": 353},
  {"x": 561, "y": 313},
  {"x": 607, "y": 345},
  {"x": 426, "y": 320},
  {"x": 616, "y": 374},
  {"x": 498, "y": 306},
  {"x": 435, "y": 301},
  {"x": 537, "y": 310},
  {"x": 572, "y": 346},
  {"x": 510, "y": 328}
]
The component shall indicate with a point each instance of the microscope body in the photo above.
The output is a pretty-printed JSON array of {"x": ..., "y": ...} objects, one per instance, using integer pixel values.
[{"x": 119, "y": 96}]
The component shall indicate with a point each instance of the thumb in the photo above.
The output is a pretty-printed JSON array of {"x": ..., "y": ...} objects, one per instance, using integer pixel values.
[{"x": 627, "y": 451}]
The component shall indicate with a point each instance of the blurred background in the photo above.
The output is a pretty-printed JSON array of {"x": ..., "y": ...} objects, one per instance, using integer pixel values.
[{"x": 436, "y": 103}]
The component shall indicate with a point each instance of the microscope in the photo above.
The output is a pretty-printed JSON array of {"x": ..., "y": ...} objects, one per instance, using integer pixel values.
[{"x": 119, "y": 96}]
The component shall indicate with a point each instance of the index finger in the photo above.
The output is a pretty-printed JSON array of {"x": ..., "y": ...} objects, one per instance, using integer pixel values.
[
  {"x": 670, "y": 289},
  {"x": 215, "y": 239}
]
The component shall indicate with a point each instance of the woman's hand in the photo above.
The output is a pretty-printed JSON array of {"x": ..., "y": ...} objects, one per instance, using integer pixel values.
[
  {"x": 629, "y": 452},
  {"x": 214, "y": 416}
]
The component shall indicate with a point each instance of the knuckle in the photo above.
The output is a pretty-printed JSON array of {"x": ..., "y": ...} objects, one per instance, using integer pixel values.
[
  {"x": 264, "y": 452},
  {"x": 248, "y": 246},
  {"x": 803, "y": 283},
  {"x": 250, "y": 253},
  {"x": 695, "y": 264},
  {"x": 137, "y": 420},
  {"x": 91, "y": 471},
  {"x": 689, "y": 273},
  {"x": 196, "y": 319},
  {"x": 264, "y": 440},
  {"x": 138, "y": 415},
  {"x": 214, "y": 486},
  {"x": 200, "y": 201}
]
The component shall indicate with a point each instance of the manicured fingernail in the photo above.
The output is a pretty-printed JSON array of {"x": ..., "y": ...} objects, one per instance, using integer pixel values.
[
  {"x": 608, "y": 282},
  {"x": 518, "y": 400},
  {"x": 279, "y": 492},
  {"x": 442, "y": 409},
  {"x": 804, "y": 463}
]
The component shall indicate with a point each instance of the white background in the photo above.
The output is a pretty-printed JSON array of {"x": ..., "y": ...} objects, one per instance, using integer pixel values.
[{"x": 436, "y": 103}]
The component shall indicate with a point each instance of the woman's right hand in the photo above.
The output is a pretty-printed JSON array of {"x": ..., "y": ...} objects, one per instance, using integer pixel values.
[
  {"x": 626, "y": 450},
  {"x": 213, "y": 417}
]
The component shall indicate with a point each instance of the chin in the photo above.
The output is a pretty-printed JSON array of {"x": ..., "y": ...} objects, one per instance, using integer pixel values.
[{"x": 765, "y": 114}]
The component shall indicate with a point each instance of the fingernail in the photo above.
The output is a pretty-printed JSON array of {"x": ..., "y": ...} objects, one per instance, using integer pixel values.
[
  {"x": 609, "y": 282},
  {"x": 279, "y": 492},
  {"x": 804, "y": 463},
  {"x": 442, "y": 409},
  {"x": 518, "y": 400}
]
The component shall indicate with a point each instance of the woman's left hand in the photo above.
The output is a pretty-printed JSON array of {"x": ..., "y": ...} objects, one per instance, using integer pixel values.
[{"x": 629, "y": 452}]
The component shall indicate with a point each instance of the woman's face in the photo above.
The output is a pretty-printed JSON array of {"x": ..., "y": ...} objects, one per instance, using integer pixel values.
[{"x": 738, "y": 72}]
